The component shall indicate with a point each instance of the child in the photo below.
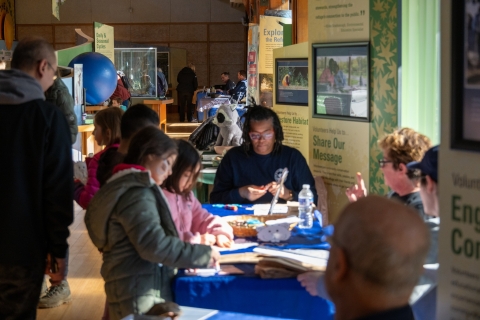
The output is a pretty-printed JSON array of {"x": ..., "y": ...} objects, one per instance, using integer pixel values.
[
  {"x": 106, "y": 133},
  {"x": 194, "y": 224},
  {"x": 117, "y": 102},
  {"x": 130, "y": 222}
]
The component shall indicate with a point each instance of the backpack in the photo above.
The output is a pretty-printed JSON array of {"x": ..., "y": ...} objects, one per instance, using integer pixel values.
[
  {"x": 126, "y": 83},
  {"x": 205, "y": 135}
]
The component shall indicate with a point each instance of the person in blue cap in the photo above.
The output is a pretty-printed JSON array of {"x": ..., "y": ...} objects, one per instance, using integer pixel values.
[
  {"x": 423, "y": 299},
  {"x": 428, "y": 184}
]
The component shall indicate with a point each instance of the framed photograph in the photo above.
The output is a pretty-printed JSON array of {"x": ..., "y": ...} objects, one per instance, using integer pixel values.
[
  {"x": 291, "y": 81},
  {"x": 341, "y": 75},
  {"x": 465, "y": 103}
]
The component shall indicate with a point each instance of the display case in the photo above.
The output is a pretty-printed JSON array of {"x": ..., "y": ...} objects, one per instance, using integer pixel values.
[{"x": 140, "y": 68}]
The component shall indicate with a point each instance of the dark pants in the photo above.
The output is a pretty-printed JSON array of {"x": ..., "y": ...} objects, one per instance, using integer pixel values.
[
  {"x": 185, "y": 98},
  {"x": 20, "y": 291}
]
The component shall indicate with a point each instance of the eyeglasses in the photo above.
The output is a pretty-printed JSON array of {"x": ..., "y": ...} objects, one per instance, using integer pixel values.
[
  {"x": 54, "y": 70},
  {"x": 382, "y": 162},
  {"x": 257, "y": 136}
]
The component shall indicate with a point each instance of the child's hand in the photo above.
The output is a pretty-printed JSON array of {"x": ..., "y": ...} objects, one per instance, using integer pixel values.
[
  {"x": 223, "y": 241},
  {"x": 207, "y": 239}
]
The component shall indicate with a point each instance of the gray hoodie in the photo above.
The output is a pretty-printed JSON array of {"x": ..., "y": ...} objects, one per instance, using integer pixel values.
[{"x": 17, "y": 87}]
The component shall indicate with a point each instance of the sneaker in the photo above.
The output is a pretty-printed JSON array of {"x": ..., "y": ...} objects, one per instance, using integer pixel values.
[
  {"x": 194, "y": 120},
  {"x": 56, "y": 296}
]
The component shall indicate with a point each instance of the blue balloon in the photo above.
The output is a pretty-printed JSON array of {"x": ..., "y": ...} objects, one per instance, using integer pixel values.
[{"x": 99, "y": 76}]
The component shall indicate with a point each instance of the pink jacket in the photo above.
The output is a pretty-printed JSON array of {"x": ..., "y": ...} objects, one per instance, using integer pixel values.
[
  {"x": 189, "y": 217},
  {"x": 327, "y": 76},
  {"x": 84, "y": 193}
]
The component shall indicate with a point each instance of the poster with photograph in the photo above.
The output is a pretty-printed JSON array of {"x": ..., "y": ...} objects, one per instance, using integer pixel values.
[
  {"x": 466, "y": 76},
  {"x": 341, "y": 81},
  {"x": 270, "y": 37},
  {"x": 292, "y": 81}
]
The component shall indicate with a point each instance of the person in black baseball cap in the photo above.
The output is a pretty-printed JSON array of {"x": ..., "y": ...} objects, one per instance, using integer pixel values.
[{"x": 428, "y": 186}]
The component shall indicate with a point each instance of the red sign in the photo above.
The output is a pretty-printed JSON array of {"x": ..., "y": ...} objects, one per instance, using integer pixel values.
[
  {"x": 251, "y": 56},
  {"x": 252, "y": 68}
]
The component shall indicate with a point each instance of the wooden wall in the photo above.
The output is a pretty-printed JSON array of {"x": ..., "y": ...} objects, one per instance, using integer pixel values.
[{"x": 210, "y": 30}]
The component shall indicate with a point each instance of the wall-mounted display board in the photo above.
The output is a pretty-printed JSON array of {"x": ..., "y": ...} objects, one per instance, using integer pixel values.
[
  {"x": 291, "y": 81},
  {"x": 341, "y": 87},
  {"x": 465, "y": 78}
]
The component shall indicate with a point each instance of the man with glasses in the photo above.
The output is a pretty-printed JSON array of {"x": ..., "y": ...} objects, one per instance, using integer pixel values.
[
  {"x": 250, "y": 173},
  {"x": 36, "y": 176},
  {"x": 399, "y": 148},
  {"x": 373, "y": 267}
]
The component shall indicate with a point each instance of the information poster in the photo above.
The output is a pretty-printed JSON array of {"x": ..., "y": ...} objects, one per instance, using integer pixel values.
[
  {"x": 295, "y": 122},
  {"x": 339, "y": 20},
  {"x": 78, "y": 84},
  {"x": 459, "y": 239},
  {"x": 338, "y": 150},
  {"x": 104, "y": 40},
  {"x": 252, "y": 64},
  {"x": 271, "y": 37}
]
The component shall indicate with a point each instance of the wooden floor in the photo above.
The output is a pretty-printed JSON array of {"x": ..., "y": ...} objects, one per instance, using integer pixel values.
[{"x": 86, "y": 283}]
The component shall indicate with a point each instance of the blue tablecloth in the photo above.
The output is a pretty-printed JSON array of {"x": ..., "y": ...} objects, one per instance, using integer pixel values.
[{"x": 248, "y": 293}]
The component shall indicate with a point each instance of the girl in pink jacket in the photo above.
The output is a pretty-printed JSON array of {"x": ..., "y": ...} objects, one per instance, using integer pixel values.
[
  {"x": 106, "y": 133},
  {"x": 194, "y": 224}
]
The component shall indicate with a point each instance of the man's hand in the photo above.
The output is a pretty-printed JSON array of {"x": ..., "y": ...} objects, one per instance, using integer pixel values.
[
  {"x": 56, "y": 276},
  {"x": 358, "y": 190},
  {"x": 284, "y": 192},
  {"x": 252, "y": 192},
  {"x": 207, "y": 239},
  {"x": 223, "y": 241},
  {"x": 309, "y": 281}
]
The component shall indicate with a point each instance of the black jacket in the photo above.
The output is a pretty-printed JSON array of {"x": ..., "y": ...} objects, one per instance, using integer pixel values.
[
  {"x": 187, "y": 80},
  {"x": 36, "y": 174},
  {"x": 58, "y": 95}
]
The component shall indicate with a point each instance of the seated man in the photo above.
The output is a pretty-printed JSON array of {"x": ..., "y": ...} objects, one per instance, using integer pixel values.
[
  {"x": 249, "y": 173},
  {"x": 373, "y": 267},
  {"x": 240, "y": 90},
  {"x": 399, "y": 148},
  {"x": 229, "y": 85}
]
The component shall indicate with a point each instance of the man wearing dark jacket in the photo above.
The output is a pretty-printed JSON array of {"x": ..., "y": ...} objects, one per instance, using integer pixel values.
[
  {"x": 58, "y": 95},
  {"x": 187, "y": 84},
  {"x": 240, "y": 90},
  {"x": 37, "y": 179}
]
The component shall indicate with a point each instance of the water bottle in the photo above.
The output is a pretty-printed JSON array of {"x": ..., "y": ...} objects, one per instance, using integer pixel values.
[{"x": 305, "y": 201}]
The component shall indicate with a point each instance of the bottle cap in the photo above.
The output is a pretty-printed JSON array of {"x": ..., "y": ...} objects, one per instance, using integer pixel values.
[{"x": 307, "y": 186}]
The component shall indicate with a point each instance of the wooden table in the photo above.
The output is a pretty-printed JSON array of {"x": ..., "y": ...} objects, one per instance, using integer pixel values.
[
  {"x": 86, "y": 130},
  {"x": 92, "y": 109},
  {"x": 160, "y": 107}
]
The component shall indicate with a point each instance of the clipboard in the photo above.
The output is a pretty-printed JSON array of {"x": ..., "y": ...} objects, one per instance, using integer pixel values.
[{"x": 277, "y": 194}]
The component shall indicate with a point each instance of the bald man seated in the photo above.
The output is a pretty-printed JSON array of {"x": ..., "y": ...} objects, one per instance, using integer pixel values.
[{"x": 376, "y": 258}]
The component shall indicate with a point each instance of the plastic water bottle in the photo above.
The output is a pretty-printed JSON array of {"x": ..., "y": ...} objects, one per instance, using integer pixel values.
[{"x": 305, "y": 201}]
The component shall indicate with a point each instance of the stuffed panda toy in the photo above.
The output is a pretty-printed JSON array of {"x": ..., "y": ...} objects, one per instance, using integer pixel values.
[{"x": 226, "y": 119}]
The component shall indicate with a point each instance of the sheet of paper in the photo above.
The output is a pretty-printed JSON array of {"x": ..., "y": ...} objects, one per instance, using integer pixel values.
[
  {"x": 237, "y": 246},
  {"x": 209, "y": 170},
  {"x": 208, "y": 157},
  {"x": 262, "y": 209},
  {"x": 289, "y": 220},
  {"x": 320, "y": 262},
  {"x": 207, "y": 163}
]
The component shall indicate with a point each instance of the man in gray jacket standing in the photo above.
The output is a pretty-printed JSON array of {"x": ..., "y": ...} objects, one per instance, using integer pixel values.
[{"x": 36, "y": 179}]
